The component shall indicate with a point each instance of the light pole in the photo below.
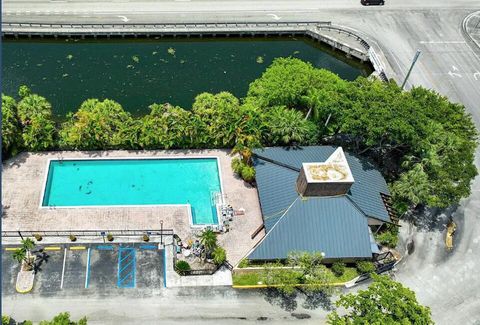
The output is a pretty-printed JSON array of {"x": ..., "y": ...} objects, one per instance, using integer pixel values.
[
  {"x": 415, "y": 58},
  {"x": 161, "y": 232}
]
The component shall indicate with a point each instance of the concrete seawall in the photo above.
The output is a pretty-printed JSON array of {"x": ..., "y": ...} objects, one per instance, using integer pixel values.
[{"x": 338, "y": 37}]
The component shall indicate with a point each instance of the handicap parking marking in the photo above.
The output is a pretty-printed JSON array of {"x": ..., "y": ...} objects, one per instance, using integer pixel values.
[{"x": 126, "y": 267}]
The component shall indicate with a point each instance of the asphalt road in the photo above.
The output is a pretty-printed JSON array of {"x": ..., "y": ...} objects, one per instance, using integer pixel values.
[{"x": 447, "y": 282}]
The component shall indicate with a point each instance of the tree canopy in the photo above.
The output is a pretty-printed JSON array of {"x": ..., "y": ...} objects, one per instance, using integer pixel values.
[
  {"x": 423, "y": 143},
  {"x": 97, "y": 125},
  {"x": 384, "y": 302},
  {"x": 11, "y": 132}
]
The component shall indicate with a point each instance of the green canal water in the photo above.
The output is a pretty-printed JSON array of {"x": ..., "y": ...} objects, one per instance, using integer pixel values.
[{"x": 137, "y": 73}]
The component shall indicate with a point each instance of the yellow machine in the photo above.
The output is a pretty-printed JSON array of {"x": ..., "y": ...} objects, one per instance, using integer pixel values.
[{"x": 451, "y": 227}]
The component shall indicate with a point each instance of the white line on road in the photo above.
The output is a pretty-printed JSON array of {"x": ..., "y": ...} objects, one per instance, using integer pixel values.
[
  {"x": 442, "y": 42},
  {"x": 181, "y": 0},
  {"x": 63, "y": 268},
  {"x": 123, "y": 18},
  {"x": 274, "y": 16}
]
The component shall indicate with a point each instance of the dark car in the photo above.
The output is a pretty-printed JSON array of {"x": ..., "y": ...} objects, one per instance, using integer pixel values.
[{"x": 372, "y": 2}]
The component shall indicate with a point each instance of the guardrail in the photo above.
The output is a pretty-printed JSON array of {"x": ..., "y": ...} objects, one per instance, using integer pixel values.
[
  {"x": 166, "y": 25},
  {"x": 87, "y": 233}
]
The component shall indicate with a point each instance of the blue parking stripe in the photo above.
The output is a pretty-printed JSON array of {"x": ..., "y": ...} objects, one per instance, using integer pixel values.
[
  {"x": 148, "y": 247},
  {"x": 126, "y": 267},
  {"x": 105, "y": 247}
]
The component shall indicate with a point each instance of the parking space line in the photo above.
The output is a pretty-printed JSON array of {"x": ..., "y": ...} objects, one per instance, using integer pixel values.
[
  {"x": 148, "y": 247},
  {"x": 12, "y": 248},
  {"x": 105, "y": 247},
  {"x": 164, "y": 267},
  {"x": 88, "y": 268},
  {"x": 52, "y": 248},
  {"x": 63, "y": 267},
  {"x": 76, "y": 248}
]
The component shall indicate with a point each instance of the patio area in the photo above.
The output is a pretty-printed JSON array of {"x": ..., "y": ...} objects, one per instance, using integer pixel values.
[{"x": 23, "y": 181}]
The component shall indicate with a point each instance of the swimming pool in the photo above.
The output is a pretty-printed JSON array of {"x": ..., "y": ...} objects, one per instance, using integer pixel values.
[{"x": 135, "y": 182}]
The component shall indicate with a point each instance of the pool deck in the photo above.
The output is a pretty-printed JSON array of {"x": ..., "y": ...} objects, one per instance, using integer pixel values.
[{"x": 22, "y": 186}]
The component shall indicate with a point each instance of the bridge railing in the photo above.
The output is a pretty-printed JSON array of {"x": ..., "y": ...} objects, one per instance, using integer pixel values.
[
  {"x": 22, "y": 25},
  {"x": 87, "y": 233}
]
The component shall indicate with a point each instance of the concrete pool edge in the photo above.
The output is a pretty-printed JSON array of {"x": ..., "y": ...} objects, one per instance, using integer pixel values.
[{"x": 186, "y": 205}]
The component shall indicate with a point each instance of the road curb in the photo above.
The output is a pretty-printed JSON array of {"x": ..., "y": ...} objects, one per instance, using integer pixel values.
[
  {"x": 466, "y": 34},
  {"x": 263, "y": 286}
]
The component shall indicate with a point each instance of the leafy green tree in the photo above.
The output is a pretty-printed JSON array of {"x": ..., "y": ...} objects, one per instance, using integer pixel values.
[
  {"x": 209, "y": 240},
  {"x": 384, "y": 302},
  {"x": 6, "y": 320},
  {"x": 38, "y": 127},
  {"x": 24, "y": 254},
  {"x": 285, "y": 279},
  {"x": 288, "y": 126},
  {"x": 168, "y": 127},
  {"x": 248, "y": 173},
  {"x": 11, "y": 132},
  {"x": 290, "y": 82},
  {"x": 64, "y": 319},
  {"x": 223, "y": 122},
  {"x": 98, "y": 125}
]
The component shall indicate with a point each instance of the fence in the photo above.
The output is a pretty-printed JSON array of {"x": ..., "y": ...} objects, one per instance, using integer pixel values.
[{"x": 87, "y": 233}]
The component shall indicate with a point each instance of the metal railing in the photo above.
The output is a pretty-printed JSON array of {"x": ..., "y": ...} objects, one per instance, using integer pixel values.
[
  {"x": 166, "y": 25},
  {"x": 87, "y": 233}
]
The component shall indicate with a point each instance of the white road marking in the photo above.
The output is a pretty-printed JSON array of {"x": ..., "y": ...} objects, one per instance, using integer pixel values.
[
  {"x": 123, "y": 18},
  {"x": 454, "y": 74},
  {"x": 454, "y": 68},
  {"x": 63, "y": 268},
  {"x": 274, "y": 16},
  {"x": 442, "y": 42},
  {"x": 181, "y": 0},
  {"x": 476, "y": 75}
]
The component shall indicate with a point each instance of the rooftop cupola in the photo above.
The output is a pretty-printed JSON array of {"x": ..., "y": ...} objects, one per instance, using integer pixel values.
[{"x": 330, "y": 178}]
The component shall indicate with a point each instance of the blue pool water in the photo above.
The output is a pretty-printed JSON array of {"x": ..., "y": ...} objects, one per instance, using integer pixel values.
[{"x": 100, "y": 182}]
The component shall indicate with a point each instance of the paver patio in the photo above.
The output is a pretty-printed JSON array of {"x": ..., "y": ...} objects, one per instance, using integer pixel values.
[{"x": 23, "y": 181}]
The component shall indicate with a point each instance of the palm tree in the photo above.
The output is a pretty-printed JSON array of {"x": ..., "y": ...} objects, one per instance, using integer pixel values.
[
  {"x": 24, "y": 254},
  {"x": 209, "y": 240}
]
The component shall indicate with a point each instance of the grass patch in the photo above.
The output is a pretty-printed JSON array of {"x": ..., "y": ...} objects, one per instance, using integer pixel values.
[{"x": 252, "y": 278}]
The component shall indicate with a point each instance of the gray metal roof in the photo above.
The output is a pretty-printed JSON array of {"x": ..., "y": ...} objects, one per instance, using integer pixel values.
[
  {"x": 276, "y": 184},
  {"x": 336, "y": 225},
  {"x": 333, "y": 225}
]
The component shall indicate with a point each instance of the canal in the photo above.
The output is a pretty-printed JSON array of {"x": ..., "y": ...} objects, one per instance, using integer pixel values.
[{"x": 139, "y": 72}]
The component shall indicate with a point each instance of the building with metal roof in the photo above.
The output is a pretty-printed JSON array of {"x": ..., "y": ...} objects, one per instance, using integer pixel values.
[{"x": 318, "y": 198}]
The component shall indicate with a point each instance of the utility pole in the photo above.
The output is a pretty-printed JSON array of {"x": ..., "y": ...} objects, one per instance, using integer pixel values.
[{"x": 415, "y": 58}]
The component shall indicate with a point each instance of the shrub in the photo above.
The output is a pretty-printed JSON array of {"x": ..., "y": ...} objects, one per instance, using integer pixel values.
[
  {"x": 219, "y": 256},
  {"x": 244, "y": 263},
  {"x": 6, "y": 320},
  {"x": 237, "y": 165},
  {"x": 24, "y": 91},
  {"x": 182, "y": 267},
  {"x": 389, "y": 237},
  {"x": 365, "y": 267},
  {"x": 248, "y": 174},
  {"x": 338, "y": 268}
]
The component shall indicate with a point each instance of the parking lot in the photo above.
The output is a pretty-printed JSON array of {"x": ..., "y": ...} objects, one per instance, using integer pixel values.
[{"x": 90, "y": 268}]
